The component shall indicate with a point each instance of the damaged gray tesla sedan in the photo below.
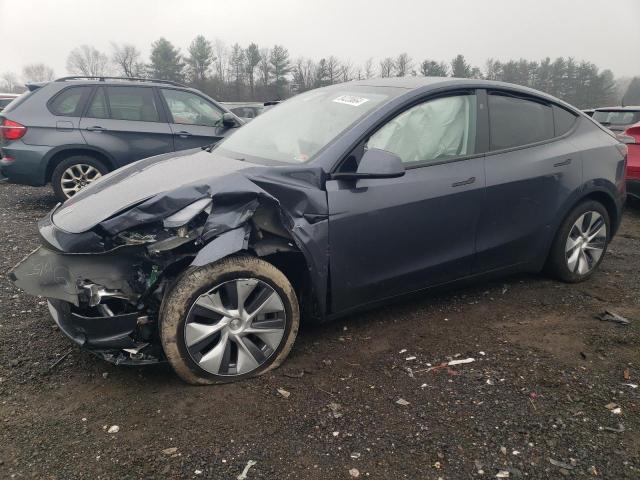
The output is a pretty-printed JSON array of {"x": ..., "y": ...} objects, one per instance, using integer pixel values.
[{"x": 338, "y": 199}]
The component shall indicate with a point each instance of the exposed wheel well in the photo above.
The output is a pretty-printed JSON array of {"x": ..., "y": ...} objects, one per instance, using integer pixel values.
[{"x": 61, "y": 155}]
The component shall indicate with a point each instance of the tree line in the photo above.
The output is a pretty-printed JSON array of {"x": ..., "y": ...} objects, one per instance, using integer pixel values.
[{"x": 237, "y": 73}]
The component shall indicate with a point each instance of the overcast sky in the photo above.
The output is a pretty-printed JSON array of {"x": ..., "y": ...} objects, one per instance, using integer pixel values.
[{"x": 604, "y": 32}]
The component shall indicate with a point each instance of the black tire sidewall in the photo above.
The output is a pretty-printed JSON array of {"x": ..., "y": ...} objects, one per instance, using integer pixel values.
[
  {"x": 557, "y": 260},
  {"x": 207, "y": 282},
  {"x": 56, "y": 176}
]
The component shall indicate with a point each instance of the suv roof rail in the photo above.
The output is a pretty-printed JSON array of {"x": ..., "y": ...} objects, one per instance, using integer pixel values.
[{"x": 103, "y": 78}]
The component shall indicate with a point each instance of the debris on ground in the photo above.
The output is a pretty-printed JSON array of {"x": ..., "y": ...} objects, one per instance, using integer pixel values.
[
  {"x": 402, "y": 401},
  {"x": 564, "y": 465},
  {"x": 243, "y": 475},
  {"x": 113, "y": 429},
  {"x": 613, "y": 408},
  {"x": 503, "y": 474},
  {"x": 335, "y": 409},
  {"x": 59, "y": 360},
  {"x": 462, "y": 361},
  {"x": 355, "y": 455},
  {"x": 354, "y": 472},
  {"x": 299, "y": 374},
  {"x": 632, "y": 385},
  {"x": 620, "y": 429},
  {"x": 283, "y": 393},
  {"x": 170, "y": 450},
  {"x": 608, "y": 316},
  {"x": 626, "y": 374}
]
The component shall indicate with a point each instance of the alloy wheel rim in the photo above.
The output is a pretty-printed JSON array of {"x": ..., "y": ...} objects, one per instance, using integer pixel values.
[
  {"x": 235, "y": 327},
  {"x": 78, "y": 176},
  {"x": 586, "y": 242}
]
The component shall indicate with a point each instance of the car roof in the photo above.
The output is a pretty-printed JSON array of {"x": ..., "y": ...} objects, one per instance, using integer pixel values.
[{"x": 619, "y": 109}]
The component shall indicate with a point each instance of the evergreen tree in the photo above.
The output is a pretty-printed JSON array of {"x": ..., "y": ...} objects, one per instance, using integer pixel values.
[
  {"x": 252, "y": 57},
  {"x": 200, "y": 59},
  {"x": 279, "y": 61},
  {"x": 632, "y": 95},
  {"x": 237, "y": 64},
  {"x": 166, "y": 61},
  {"x": 460, "y": 68},
  {"x": 431, "y": 68}
]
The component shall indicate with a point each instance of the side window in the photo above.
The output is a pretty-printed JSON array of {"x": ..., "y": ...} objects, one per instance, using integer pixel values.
[
  {"x": 433, "y": 131},
  {"x": 133, "y": 103},
  {"x": 69, "y": 102},
  {"x": 190, "y": 109},
  {"x": 563, "y": 120},
  {"x": 515, "y": 121},
  {"x": 98, "y": 107}
]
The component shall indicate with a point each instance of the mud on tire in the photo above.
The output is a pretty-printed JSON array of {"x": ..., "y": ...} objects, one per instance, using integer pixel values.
[{"x": 196, "y": 281}]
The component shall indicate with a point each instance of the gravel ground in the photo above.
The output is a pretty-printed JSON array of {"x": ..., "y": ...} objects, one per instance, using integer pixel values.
[{"x": 535, "y": 402}]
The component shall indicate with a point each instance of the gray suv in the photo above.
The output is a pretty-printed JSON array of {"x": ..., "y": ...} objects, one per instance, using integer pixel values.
[{"x": 75, "y": 129}]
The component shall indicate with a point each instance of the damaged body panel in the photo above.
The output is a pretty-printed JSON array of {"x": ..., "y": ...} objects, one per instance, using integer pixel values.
[{"x": 354, "y": 193}]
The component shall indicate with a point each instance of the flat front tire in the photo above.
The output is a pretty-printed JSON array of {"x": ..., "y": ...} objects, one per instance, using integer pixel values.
[
  {"x": 580, "y": 243},
  {"x": 230, "y": 320}
]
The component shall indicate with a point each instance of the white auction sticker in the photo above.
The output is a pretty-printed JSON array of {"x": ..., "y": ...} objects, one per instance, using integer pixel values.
[{"x": 351, "y": 100}]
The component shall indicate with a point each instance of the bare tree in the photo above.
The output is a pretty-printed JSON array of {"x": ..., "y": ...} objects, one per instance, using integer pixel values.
[
  {"x": 37, "y": 72},
  {"x": 9, "y": 82},
  {"x": 304, "y": 71},
  {"x": 264, "y": 66},
  {"x": 333, "y": 70},
  {"x": 346, "y": 71},
  {"x": 368, "y": 68},
  {"x": 386, "y": 67},
  {"x": 403, "y": 64},
  {"x": 87, "y": 60},
  {"x": 222, "y": 58},
  {"x": 126, "y": 58}
]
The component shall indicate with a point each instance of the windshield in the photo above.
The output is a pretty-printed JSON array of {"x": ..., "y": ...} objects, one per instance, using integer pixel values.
[
  {"x": 295, "y": 130},
  {"x": 616, "y": 117}
]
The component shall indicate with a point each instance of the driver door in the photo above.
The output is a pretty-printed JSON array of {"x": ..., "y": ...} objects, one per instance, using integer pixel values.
[
  {"x": 194, "y": 121},
  {"x": 393, "y": 236}
]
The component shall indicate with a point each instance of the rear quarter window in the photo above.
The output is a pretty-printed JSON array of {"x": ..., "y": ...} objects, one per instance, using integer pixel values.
[
  {"x": 70, "y": 101},
  {"x": 516, "y": 121},
  {"x": 563, "y": 120}
]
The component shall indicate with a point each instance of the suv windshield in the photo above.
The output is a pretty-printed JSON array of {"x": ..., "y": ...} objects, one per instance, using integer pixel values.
[
  {"x": 297, "y": 129},
  {"x": 616, "y": 117}
]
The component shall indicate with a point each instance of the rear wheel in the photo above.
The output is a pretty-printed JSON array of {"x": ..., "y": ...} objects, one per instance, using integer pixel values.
[
  {"x": 74, "y": 173},
  {"x": 230, "y": 320},
  {"x": 580, "y": 243}
]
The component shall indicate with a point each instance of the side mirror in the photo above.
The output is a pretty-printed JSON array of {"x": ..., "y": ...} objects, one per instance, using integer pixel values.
[
  {"x": 375, "y": 163},
  {"x": 229, "y": 120}
]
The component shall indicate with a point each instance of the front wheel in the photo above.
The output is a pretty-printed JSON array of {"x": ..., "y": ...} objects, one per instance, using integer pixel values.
[
  {"x": 233, "y": 319},
  {"x": 580, "y": 243}
]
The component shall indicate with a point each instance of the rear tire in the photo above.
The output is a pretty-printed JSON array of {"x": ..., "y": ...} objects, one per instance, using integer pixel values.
[
  {"x": 227, "y": 321},
  {"x": 581, "y": 243},
  {"x": 74, "y": 173}
]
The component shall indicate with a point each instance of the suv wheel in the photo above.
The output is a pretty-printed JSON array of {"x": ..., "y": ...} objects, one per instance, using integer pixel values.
[
  {"x": 232, "y": 319},
  {"x": 580, "y": 243},
  {"x": 74, "y": 173}
]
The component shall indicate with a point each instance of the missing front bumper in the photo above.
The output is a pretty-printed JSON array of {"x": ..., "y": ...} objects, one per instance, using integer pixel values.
[{"x": 112, "y": 338}]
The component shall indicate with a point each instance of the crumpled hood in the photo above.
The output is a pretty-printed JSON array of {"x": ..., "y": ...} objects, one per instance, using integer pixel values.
[{"x": 138, "y": 182}]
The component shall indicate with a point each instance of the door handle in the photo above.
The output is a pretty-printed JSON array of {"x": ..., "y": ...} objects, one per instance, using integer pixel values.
[
  {"x": 183, "y": 134},
  {"x": 96, "y": 128},
  {"x": 468, "y": 181},
  {"x": 563, "y": 163}
]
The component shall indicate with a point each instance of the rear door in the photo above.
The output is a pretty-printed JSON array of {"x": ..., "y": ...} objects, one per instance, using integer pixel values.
[
  {"x": 531, "y": 169},
  {"x": 194, "y": 120},
  {"x": 127, "y": 123}
]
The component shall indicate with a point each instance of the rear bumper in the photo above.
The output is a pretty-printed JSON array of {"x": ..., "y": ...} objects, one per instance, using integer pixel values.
[
  {"x": 109, "y": 337},
  {"x": 28, "y": 165}
]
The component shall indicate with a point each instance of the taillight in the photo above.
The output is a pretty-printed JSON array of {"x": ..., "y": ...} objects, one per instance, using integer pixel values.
[{"x": 10, "y": 130}]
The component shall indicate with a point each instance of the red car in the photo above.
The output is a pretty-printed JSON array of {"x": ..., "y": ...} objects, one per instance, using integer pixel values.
[{"x": 631, "y": 137}]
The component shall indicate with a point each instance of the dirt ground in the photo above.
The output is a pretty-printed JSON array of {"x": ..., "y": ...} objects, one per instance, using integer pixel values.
[{"x": 535, "y": 402}]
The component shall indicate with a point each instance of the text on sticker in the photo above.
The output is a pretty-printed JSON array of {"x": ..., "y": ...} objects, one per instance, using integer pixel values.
[{"x": 351, "y": 100}]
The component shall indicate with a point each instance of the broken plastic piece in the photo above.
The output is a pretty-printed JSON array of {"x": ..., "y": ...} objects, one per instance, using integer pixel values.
[{"x": 608, "y": 316}]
